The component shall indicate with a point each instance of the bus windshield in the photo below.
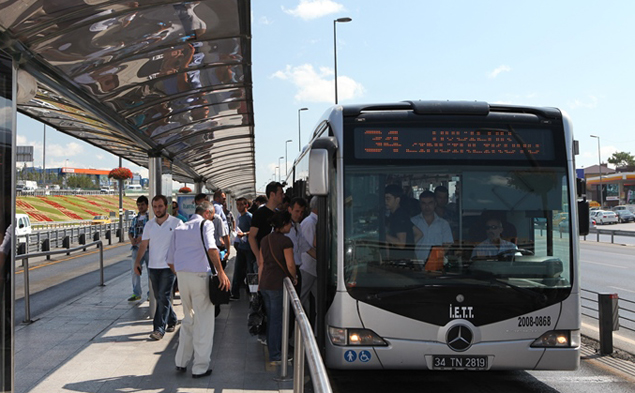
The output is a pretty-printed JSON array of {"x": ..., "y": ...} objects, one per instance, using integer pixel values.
[{"x": 426, "y": 225}]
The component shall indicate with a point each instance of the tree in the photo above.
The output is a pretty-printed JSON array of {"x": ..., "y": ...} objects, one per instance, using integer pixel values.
[
  {"x": 80, "y": 181},
  {"x": 622, "y": 158}
]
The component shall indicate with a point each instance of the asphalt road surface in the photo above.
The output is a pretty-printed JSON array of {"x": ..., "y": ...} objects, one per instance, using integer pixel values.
[{"x": 62, "y": 278}]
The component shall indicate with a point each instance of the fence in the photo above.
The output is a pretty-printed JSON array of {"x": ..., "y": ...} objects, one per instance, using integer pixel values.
[
  {"x": 610, "y": 312},
  {"x": 612, "y": 233},
  {"x": 65, "y": 236},
  {"x": 304, "y": 341},
  {"x": 25, "y": 263}
]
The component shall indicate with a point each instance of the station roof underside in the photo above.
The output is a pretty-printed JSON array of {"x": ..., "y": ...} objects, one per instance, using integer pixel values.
[{"x": 144, "y": 78}]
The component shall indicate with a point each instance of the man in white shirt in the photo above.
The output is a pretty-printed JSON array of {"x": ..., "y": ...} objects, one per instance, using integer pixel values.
[
  {"x": 297, "y": 207},
  {"x": 186, "y": 257},
  {"x": 308, "y": 269},
  {"x": 429, "y": 229},
  {"x": 157, "y": 233}
]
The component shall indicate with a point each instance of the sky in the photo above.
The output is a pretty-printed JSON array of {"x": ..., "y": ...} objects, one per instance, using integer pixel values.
[{"x": 575, "y": 56}]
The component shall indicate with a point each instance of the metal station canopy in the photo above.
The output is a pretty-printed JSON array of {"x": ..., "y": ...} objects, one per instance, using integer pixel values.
[{"x": 144, "y": 78}]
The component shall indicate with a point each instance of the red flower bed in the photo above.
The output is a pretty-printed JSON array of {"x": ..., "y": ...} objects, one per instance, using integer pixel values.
[
  {"x": 62, "y": 209},
  {"x": 24, "y": 205},
  {"x": 92, "y": 213},
  {"x": 120, "y": 174},
  {"x": 36, "y": 216}
]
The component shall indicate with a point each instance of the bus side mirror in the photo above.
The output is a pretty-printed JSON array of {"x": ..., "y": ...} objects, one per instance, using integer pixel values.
[
  {"x": 318, "y": 172},
  {"x": 583, "y": 217}
]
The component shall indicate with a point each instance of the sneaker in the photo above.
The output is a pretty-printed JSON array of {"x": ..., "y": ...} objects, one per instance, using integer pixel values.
[
  {"x": 134, "y": 298},
  {"x": 262, "y": 341},
  {"x": 156, "y": 336},
  {"x": 276, "y": 362},
  {"x": 232, "y": 297},
  {"x": 170, "y": 328}
]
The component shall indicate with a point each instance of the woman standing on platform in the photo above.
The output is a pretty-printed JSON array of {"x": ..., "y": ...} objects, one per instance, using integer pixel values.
[{"x": 276, "y": 256}]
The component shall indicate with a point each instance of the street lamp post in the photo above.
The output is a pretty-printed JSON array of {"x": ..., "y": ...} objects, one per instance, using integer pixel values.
[
  {"x": 44, "y": 158},
  {"x": 286, "y": 170},
  {"x": 280, "y": 169},
  {"x": 340, "y": 20},
  {"x": 299, "y": 133},
  {"x": 277, "y": 172},
  {"x": 600, "y": 169}
]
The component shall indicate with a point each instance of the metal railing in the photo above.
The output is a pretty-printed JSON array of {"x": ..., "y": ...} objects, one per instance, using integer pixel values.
[
  {"x": 611, "y": 232},
  {"x": 25, "y": 263},
  {"x": 304, "y": 342},
  {"x": 626, "y": 309},
  {"x": 611, "y": 313},
  {"x": 64, "y": 237}
]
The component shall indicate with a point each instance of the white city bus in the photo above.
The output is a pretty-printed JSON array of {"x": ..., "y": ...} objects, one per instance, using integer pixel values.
[{"x": 435, "y": 304}]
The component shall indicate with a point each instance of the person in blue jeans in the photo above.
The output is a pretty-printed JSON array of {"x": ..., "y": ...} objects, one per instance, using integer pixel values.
[
  {"x": 157, "y": 234},
  {"x": 134, "y": 234},
  {"x": 275, "y": 263},
  {"x": 245, "y": 258}
]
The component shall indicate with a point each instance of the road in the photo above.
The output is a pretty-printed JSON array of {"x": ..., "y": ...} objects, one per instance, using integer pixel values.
[{"x": 64, "y": 277}]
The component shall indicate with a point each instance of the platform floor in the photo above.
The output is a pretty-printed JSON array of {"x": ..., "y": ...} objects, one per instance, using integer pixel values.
[{"x": 98, "y": 342}]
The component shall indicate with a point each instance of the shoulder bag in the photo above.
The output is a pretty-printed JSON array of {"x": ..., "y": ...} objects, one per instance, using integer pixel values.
[
  {"x": 284, "y": 268},
  {"x": 216, "y": 295}
]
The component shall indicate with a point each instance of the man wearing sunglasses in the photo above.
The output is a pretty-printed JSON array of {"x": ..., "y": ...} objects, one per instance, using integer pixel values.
[{"x": 493, "y": 245}]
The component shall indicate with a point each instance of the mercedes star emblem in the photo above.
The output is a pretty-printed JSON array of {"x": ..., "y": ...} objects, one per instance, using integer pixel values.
[{"x": 459, "y": 338}]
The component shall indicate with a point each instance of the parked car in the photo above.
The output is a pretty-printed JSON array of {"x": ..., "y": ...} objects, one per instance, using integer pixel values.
[
  {"x": 625, "y": 215},
  {"x": 101, "y": 220},
  {"x": 602, "y": 217},
  {"x": 105, "y": 191},
  {"x": 23, "y": 226}
]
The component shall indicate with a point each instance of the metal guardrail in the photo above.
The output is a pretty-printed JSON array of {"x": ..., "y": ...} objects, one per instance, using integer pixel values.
[
  {"x": 611, "y": 315},
  {"x": 44, "y": 225},
  {"x": 25, "y": 263},
  {"x": 64, "y": 237},
  {"x": 304, "y": 342},
  {"x": 626, "y": 309},
  {"x": 611, "y": 232},
  {"x": 40, "y": 192}
]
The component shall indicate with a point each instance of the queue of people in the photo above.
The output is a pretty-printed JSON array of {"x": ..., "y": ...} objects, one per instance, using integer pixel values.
[{"x": 269, "y": 240}]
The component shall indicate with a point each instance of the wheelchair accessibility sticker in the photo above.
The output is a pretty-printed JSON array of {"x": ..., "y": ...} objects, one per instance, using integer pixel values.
[
  {"x": 350, "y": 356},
  {"x": 364, "y": 356}
]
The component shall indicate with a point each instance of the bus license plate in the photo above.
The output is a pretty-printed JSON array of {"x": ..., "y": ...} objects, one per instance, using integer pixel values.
[{"x": 459, "y": 362}]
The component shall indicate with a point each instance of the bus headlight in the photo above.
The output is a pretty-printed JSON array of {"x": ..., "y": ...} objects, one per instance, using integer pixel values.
[
  {"x": 356, "y": 337},
  {"x": 553, "y": 339}
]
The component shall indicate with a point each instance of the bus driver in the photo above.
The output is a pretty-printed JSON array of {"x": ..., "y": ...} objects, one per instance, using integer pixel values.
[{"x": 493, "y": 245}]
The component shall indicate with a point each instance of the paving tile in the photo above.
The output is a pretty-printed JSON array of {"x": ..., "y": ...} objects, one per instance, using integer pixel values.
[{"x": 99, "y": 343}]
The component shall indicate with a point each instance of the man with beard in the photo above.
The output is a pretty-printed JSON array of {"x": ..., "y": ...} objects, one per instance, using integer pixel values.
[{"x": 158, "y": 233}]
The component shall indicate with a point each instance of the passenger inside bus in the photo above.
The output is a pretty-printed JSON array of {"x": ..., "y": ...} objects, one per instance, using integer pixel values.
[
  {"x": 399, "y": 228},
  {"x": 430, "y": 229}
]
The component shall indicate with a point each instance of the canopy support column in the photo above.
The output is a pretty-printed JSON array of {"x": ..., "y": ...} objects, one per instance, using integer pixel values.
[{"x": 154, "y": 177}]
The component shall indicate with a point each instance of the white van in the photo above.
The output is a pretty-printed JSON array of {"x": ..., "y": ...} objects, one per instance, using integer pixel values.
[
  {"x": 22, "y": 226},
  {"x": 134, "y": 187}
]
